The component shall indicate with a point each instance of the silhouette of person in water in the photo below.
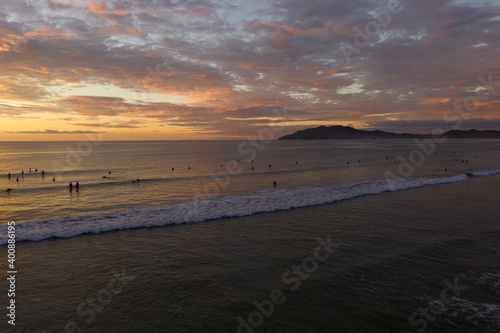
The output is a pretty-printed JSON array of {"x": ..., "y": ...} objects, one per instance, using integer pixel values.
[
  {"x": 30, "y": 169},
  {"x": 77, "y": 185},
  {"x": 70, "y": 185},
  {"x": 9, "y": 175},
  {"x": 274, "y": 183},
  {"x": 17, "y": 180}
]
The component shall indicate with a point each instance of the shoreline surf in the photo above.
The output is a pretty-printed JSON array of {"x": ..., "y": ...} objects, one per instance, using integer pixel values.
[{"x": 217, "y": 207}]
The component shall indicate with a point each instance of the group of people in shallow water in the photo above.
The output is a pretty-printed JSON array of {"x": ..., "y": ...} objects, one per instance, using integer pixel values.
[
  {"x": 22, "y": 174},
  {"x": 9, "y": 175},
  {"x": 77, "y": 185}
]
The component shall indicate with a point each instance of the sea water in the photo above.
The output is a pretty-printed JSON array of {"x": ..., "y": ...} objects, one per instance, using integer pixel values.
[
  {"x": 133, "y": 184},
  {"x": 398, "y": 243}
]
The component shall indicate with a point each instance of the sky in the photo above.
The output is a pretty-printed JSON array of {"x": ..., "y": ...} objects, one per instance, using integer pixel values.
[{"x": 207, "y": 69}]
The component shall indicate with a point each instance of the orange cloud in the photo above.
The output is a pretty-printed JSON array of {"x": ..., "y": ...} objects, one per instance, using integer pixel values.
[
  {"x": 338, "y": 71},
  {"x": 99, "y": 7},
  {"x": 46, "y": 33},
  {"x": 133, "y": 31},
  {"x": 436, "y": 101},
  {"x": 42, "y": 70},
  {"x": 253, "y": 65}
]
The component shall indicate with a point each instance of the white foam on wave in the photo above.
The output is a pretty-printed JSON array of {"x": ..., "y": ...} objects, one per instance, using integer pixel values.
[
  {"x": 491, "y": 279},
  {"x": 485, "y": 173},
  {"x": 480, "y": 314},
  {"x": 209, "y": 208}
]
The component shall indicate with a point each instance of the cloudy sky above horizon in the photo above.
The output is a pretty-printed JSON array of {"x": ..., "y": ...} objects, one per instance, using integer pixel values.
[{"x": 193, "y": 69}]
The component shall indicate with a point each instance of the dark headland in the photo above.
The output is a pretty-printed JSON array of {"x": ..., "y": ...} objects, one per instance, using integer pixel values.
[{"x": 346, "y": 132}]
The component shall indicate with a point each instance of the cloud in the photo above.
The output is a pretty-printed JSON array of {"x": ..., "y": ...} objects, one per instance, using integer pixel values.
[
  {"x": 48, "y": 131},
  {"x": 427, "y": 126},
  {"x": 128, "y": 124},
  {"x": 235, "y": 63}
]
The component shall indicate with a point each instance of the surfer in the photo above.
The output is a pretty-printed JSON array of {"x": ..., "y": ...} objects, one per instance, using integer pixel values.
[
  {"x": 70, "y": 185},
  {"x": 274, "y": 183},
  {"x": 9, "y": 189},
  {"x": 17, "y": 180},
  {"x": 77, "y": 185}
]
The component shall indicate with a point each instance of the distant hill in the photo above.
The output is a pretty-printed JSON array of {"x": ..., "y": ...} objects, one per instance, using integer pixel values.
[{"x": 346, "y": 132}]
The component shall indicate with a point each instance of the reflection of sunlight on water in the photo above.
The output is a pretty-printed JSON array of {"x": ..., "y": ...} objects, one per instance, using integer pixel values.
[{"x": 197, "y": 165}]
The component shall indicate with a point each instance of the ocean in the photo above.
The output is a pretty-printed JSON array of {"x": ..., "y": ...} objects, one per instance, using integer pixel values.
[{"x": 193, "y": 236}]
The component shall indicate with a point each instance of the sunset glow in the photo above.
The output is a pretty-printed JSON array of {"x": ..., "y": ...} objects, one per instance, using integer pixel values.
[{"x": 178, "y": 70}]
